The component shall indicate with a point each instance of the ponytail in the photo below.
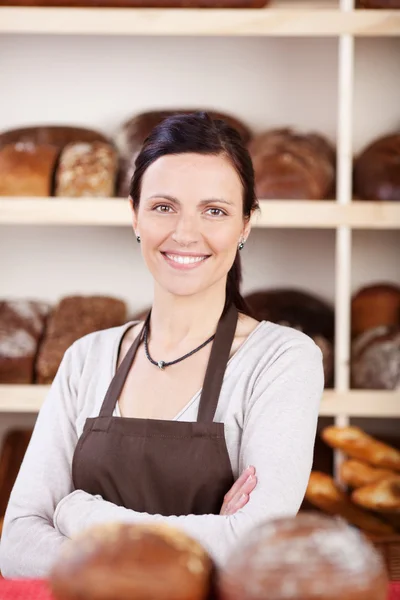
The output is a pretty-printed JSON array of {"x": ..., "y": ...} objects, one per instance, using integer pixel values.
[{"x": 233, "y": 282}]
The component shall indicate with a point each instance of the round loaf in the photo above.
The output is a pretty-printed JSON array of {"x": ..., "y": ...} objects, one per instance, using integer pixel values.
[
  {"x": 292, "y": 166},
  {"x": 375, "y": 305},
  {"x": 308, "y": 557},
  {"x": 126, "y": 562},
  {"x": 375, "y": 362},
  {"x": 377, "y": 170}
]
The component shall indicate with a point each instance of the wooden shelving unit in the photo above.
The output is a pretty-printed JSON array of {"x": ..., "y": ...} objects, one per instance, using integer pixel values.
[
  {"x": 293, "y": 18},
  {"x": 324, "y": 214},
  {"x": 354, "y": 403},
  {"x": 283, "y": 18}
]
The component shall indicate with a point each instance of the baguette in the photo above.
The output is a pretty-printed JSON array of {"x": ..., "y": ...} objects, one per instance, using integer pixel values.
[
  {"x": 354, "y": 442},
  {"x": 356, "y": 473},
  {"x": 323, "y": 493},
  {"x": 381, "y": 496}
]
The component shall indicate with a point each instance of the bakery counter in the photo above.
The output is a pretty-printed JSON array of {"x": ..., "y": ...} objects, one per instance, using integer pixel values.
[{"x": 38, "y": 590}]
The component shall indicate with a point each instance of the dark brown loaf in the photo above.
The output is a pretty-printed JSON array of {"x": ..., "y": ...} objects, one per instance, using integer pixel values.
[
  {"x": 141, "y": 3},
  {"x": 126, "y": 562},
  {"x": 377, "y": 170},
  {"x": 304, "y": 558},
  {"x": 302, "y": 311},
  {"x": 133, "y": 133},
  {"x": 21, "y": 325},
  {"x": 386, "y": 4},
  {"x": 50, "y": 135},
  {"x": 375, "y": 305},
  {"x": 375, "y": 359},
  {"x": 291, "y": 166},
  {"x": 74, "y": 317},
  {"x": 87, "y": 169},
  {"x": 12, "y": 453},
  {"x": 27, "y": 169}
]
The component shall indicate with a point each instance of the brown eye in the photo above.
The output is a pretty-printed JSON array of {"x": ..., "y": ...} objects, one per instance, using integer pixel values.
[
  {"x": 216, "y": 212},
  {"x": 163, "y": 208}
]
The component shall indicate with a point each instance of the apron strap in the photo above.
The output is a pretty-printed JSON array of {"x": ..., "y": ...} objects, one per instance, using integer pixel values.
[
  {"x": 216, "y": 366},
  {"x": 118, "y": 381}
]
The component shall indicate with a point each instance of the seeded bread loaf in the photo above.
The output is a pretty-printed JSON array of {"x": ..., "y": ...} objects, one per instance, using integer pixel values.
[{"x": 87, "y": 169}]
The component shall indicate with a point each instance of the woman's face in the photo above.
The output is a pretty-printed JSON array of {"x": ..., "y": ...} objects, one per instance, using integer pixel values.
[{"x": 190, "y": 221}]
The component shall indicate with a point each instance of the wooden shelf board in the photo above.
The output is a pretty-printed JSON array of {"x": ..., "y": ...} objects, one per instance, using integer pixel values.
[
  {"x": 294, "y": 18},
  {"x": 273, "y": 214},
  {"x": 355, "y": 403}
]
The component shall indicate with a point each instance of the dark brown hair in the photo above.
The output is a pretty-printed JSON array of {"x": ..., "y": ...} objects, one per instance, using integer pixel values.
[{"x": 199, "y": 133}]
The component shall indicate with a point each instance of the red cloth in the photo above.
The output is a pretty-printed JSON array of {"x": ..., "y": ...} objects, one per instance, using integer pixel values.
[{"x": 38, "y": 590}]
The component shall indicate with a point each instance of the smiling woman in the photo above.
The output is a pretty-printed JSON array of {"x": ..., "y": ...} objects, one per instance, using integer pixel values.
[{"x": 201, "y": 416}]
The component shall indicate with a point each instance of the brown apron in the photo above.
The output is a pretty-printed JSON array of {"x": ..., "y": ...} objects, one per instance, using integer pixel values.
[{"x": 158, "y": 466}]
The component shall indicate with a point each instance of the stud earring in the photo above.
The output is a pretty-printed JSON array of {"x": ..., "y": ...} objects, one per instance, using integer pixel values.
[
  {"x": 138, "y": 239},
  {"x": 241, "y": 245}
]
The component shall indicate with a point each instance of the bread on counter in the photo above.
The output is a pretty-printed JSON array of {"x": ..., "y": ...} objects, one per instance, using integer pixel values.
[
  {"x": 375, "y": 359},
  {"x": 307, "y": 557},
  {"x": 74, "y": 317},
  {"x": 130, "y": 138},
  {"x": 375, "y": 305},
  {"x": 119, "y": 561},
  {"x": 27, "y": 169},
  {"x": 21, "y": 326},
  {"x": 87, "y": 169},
  {"x": 376, "y": 169},
  {"x": 292, "y": 166}
]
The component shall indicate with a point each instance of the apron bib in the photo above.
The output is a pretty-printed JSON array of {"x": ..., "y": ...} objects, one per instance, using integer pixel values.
[{"x": 158, "y": 466}]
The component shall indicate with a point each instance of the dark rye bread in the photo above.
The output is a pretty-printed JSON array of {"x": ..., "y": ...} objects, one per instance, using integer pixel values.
[
  {"x": 377, "y": 169},
  {"x": 22, "y": 324},
  {"x": 292, "y": 166},
  {"x": 73, "y": 318},
  {"x": 132, "y": 134}
]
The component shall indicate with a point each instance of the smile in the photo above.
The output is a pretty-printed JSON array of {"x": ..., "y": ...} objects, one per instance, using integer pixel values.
[{"x": 182, "y": 261}]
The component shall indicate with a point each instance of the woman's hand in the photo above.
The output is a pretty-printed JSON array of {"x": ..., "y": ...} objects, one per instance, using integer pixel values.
[{"x": 239, "y": 494}]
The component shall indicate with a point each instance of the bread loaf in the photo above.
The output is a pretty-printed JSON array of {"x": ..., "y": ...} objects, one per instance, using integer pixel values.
[
  {"x": 21, "y": 326},
  {"x": 375, "y": 305},
  {"x": 130, "y": 138},
  {"x": 126, "y": 562},
  {"x": 292, "y": 166},
  {"x": 354, "y": 442},
  {"x": 302, "y": 311},
  {"x": 87, "y": 169},
  {"x": 376, "y": 170},
  {"x": 308, "y": 557},
  {"x": 74, "y": 317},
  {"x": 12, "y": 453},
  {"x": 381, "y": 496},
  {"x": 357, "y": 473},
  {"x": 50, "y": 135},
  {"x": 375, "y": 359},
  {"x": 386, "y": 4},
  {"x": 325, "y": 494},
  {"x": 27, "y": 169}
]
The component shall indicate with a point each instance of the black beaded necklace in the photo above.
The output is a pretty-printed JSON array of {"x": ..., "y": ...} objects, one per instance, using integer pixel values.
[{"x": 161, "y": 364}]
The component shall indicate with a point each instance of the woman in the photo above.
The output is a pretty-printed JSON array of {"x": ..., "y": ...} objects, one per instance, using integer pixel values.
[{"x": 156, "y": 421}]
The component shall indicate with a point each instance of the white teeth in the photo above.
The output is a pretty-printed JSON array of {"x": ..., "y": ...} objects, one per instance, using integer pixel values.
[{"x": 185, "y": 260}]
